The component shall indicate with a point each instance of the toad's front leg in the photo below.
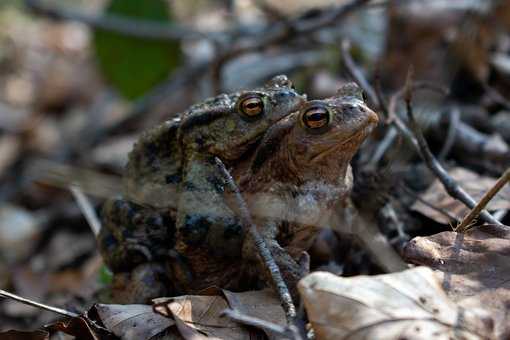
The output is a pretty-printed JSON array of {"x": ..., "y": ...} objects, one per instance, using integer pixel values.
[{"x": 292, "y": 270}]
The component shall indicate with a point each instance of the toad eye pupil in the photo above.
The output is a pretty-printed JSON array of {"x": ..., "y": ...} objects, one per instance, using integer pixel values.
[
  {"x": 251, "y": 106},
  {"x": 316, "y": 118}
]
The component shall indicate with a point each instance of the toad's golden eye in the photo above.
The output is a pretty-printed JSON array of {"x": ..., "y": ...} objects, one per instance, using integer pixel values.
[
  {"x": 251, "y": 106},
  {"x": 316, "y": 117}
]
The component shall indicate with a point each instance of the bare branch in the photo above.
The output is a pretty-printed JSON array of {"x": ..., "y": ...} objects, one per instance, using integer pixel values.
[
  {"x": 451, "y": 186},
  {"x": 358, "y": 75},
  {"x": 415, "y": 136},
  {"x": 260, "y": 243},
  {"x": 87, "y": 209},
  {"x": 466, "y": 221},
  {"x": 25, "y": 301}
]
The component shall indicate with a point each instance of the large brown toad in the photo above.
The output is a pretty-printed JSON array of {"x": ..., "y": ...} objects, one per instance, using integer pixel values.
[{"x": 301, "y": 172}]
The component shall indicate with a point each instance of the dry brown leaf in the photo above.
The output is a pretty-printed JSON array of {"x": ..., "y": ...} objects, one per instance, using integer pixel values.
[
  {"x": 474, "y": 268},
  {"x": 81, "y": 327},
  {"x": 199, "y": 317},
  {"x": 403, "y": 305},
  {"x": 133, "y": 321},
  {"x": 476, "y": 185},
  {"x": 262, "y": 304}
]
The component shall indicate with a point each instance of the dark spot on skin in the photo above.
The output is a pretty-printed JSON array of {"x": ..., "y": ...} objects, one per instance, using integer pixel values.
[
  {"x": 189, "y": 186},
  {"x": 218, "y": 184},
  {"x": 435, "y": 311},
  {"x": 173, "y": 179},
  {"x": 154, "y": 221},
  {"x": 195, "y": 228},
  {"x": 118, "y": 205},
  {"x": 211, "y": 160},
  {"x": 200, "y": 141},
  {"x": 233, "y": 230},
  {"x": 349, "y": 109},
  {"x": 422, "y": 299},
  {"x": 151, "y": 152},
  {"x": 151, "y": 148},
  {"x": 169, "y": 223}
]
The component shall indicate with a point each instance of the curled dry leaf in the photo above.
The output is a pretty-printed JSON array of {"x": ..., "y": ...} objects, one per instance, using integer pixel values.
[
  {"x": 199, "y": 317},
  {"x": 476, "y": 185},
  {"x": 404, "y": 305},
  {"x": 474, "y": 268},
  {"x": 194, "y": 316},
  {"x": 262, "y": 304},
  {"x": 133, "y": 321}
]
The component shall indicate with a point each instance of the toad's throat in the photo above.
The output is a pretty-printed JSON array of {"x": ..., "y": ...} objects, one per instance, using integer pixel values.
[{"x": 350, "y": 144}]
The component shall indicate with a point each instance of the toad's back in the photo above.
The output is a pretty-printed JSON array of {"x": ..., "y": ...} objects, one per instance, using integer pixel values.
[{"x": 154, "y": 167}]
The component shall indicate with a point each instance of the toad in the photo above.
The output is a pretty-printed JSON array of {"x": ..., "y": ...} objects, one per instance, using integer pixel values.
[
  {"x": 173, "y": 206},
  {"x": 301, "y": 173}
]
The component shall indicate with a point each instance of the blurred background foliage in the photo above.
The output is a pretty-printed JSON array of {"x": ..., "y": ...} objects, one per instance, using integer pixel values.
[{"x": 122, "y": 58}]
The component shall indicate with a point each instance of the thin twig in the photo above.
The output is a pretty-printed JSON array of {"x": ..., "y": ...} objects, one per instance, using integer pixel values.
[
  {"x": 87, "y": 209},
  {"x": 451, "y": 186},
  {"x": 383, "y": 146},
  {"x": 358, "y": 75},
  {"x": 466, "y": 221},
  {"x": 260, "y": 243},
  {"x": 25, "y": 301},
  {"x": 290, "y": 331}
]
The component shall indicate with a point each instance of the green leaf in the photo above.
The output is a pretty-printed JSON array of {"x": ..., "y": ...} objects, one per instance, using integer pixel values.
[
  {"x": 135, "y": 65},
  {"x": 105, "y": 276}
]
